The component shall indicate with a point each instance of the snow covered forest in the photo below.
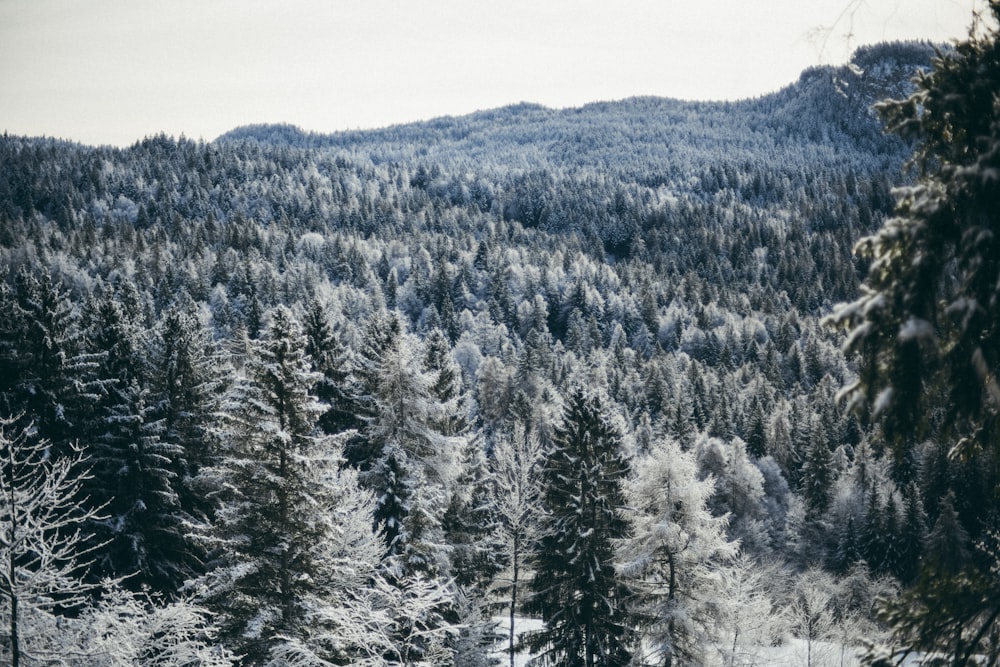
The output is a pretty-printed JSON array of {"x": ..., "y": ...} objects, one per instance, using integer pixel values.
[{"x": 385, "y": 397}]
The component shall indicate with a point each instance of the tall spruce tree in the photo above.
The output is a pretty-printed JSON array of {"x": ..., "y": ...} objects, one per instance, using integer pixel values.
[
  {"x": 185, "y": 383},
  {"x": 275, "y": 471},
  {"x": 927, "y": 325},
  {"x": 51, "y": 380},
  {"x": 576, "y": 589},
  {"x": 135, "y": 474}
]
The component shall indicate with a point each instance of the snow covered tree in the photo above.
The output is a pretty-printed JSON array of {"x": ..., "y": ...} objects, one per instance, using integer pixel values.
[
  {"x": 575, "y": 588},
  {"x": 670, "y": 558},
  {"x": 330, "y": 358},
  {"x": 51, "y": 611},
  {"x": 50, "y": 371},
  {"x": 739, "y": 489},
  {"x": 811, "y": 613},
  {"x": 185, "y": 381},
  {"x": 515, "y": 492},
  {"x": 136, "y": 473},
  {"x": 293, "y": 536},
  {"x": 412, "y": 463},
  {"x": 817, "y": 477},
  {"x": 44, "y": 552},
  {"x": 380, "y": 335},
  {"x": 123, "y": 629},
  {"x": 747, "y": 617}
]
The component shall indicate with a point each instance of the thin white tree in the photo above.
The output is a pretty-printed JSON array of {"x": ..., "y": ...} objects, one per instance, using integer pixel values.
[
  {"x": 43, "y": 551},
  {"x": 515, "y": 488}
]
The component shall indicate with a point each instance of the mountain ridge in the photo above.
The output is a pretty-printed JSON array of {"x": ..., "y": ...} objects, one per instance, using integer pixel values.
[{"x": 844, "y": 95}]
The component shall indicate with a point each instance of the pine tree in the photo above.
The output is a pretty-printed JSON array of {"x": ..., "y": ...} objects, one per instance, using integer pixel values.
[
  {"x": 185, "y": 382},
  {"x": 380, "y": 337},
  {"x": 51, "y": 383},
  {"x": 927, "y": 325},
  {"x": 329, "y": 358},
  {"x": 817, "y": 477},
  {"x": 576, "y": 589},
  {"x": 411, "y": 460},
  {"x": 278, "y": 542},
  {"x": 135, "y": 472}
]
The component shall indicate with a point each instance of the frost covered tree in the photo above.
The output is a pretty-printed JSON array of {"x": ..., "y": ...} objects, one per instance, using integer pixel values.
[
  {"x": 123, "y": 629},
  {"x": 44, "y": 553},
  {"x": 49, "y": 372},
  {"x": 136, "y": 472},
  {"x": 330, "y": 358},
  {"x": 412, "y": 463},
  {"x": 293, "y": 535},
  {"x": 185, "y": 382},
  {"x": 51, "y": 611},
  {"x": 811, "y": 613},
  {"x": 748, "y": 620},
  {"x": 670, "y": 558},
  {"x": 575, "y": 588},
  {"x": 515, "y": 492}
]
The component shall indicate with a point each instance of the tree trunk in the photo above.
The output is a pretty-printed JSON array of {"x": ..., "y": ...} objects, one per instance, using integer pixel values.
[
  {"x": 15, "y": 637},
  {"x": 515, "y": 566},
  {"x": 15, "y": 641}
]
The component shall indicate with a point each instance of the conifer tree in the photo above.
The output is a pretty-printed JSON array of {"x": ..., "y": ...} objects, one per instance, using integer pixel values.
[
  {"x": 576, "y": 589},
  {"x": 330, "y": 358},
  {"x": 135, "y": 472},
  {"x": 817, "y": 477},
  {"x": 185, "y": 383},
  {"x": 51, "y": 372},
  {"x": 293, "y": 537},
  {"x": 927, "y": 325}
]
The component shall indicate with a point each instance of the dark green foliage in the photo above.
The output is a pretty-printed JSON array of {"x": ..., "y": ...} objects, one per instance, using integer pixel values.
[
  {"x": 267, "y": 528},
  {"x": 185, "y": 386},
  {"x": 817, "y": 477},
  {"x": 576, "y": 590},
  {"x": 50, "y": 378},
  {"x": 928, "y": 332},
  {"x": 135, "y": 472}
]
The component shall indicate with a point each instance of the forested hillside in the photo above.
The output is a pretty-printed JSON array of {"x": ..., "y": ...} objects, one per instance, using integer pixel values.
[{"x": 350, "y": 397}]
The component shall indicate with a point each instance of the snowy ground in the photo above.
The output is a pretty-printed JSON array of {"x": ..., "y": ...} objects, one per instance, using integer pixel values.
[
  {"x": 794, "y": 653},
  {"x": 520, "y": 625}
]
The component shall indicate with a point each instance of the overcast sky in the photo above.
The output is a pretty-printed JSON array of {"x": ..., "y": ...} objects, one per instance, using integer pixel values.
[{"x": 113, "y": 71}]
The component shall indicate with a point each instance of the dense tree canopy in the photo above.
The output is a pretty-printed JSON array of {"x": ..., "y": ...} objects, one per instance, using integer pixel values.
[{"x": 313, "y": 353}]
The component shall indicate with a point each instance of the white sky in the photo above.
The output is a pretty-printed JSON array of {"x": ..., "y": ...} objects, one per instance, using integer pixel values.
[{"x": 114, "y": 71}]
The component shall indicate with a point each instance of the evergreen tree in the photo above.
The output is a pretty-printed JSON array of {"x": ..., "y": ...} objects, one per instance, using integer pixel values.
[
  {"x": 412, "y": 464},
  {"x": 135, "y": 471},
  {"x": 329, "y": 358},
  {"x": 927, "y": 325},
  {"x": 380, "y": 337},
  {"x": 576, "y": 589},
  {"x": 51, "y": 381},
  {"x": 185, "y": 383},
  {"x": 284, "y": 574},
  {"x": 817, "y": 477}
]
